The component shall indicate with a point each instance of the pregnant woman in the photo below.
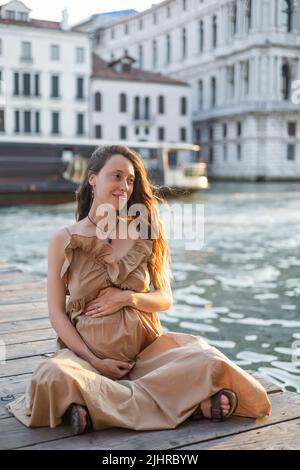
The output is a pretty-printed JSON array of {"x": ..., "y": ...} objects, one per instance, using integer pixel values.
[{"x": 115, "y": 367}]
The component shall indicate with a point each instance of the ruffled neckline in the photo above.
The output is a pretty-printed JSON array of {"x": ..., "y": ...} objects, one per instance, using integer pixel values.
[{"x": 100, "y": 251}]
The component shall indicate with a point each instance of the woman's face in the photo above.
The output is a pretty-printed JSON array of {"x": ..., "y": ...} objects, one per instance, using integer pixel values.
[{"x": 114, "y": 183}]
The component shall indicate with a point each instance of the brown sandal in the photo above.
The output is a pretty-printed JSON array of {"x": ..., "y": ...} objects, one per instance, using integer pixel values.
[
  {"x": 216, "y": 410},
  {"x": 79, "y": 419}
]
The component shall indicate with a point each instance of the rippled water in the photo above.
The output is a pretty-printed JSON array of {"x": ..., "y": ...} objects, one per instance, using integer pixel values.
[{"x": 241, "y": 290}]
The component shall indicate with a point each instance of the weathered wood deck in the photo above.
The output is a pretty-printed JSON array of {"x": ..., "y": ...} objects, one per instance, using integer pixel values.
[{"x": 28, "y": 337}]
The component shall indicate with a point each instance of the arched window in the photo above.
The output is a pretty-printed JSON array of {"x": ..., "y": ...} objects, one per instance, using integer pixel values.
[
  {"x": 214, "y": 31},
  {"x": 123, "y": 103},
  {"x": 288, "y": 10},
  {"x": 98, "y": 101}
]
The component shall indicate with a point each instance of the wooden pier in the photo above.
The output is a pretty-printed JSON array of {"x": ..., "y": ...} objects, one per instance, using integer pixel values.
[{"x": 27, "y": 338}]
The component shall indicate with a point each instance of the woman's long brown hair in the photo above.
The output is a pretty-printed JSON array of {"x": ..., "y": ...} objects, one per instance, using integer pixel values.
[{"x": 143, "y": 193}]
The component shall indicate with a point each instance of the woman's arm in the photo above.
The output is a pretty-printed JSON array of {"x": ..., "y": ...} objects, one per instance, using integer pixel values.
[
  {"x": 56, "y": 294},
  {"x": 157, "y": 301}
]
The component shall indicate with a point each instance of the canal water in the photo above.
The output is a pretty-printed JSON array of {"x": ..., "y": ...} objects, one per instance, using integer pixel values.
[{"x": 240, "y": 290}]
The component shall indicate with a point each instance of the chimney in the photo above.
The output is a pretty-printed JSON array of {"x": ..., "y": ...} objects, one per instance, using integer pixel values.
[{"x": 64, "y": 24}]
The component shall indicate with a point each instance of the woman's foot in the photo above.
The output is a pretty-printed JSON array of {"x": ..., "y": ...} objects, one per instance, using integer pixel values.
[
  {"x": 218, "y": 407},
  {"x": 206, "y": 406},
  {"x": 79, "y": 419}
]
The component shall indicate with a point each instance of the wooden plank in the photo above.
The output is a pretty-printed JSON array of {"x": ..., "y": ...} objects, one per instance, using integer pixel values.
[
  {"x": 20, "y": 337},
  {"x": 281, "y": 436},
  {"x": 18, "y": 288},
  {"x": 24, "y": 312},
  {"x": 31, "y": 296},
  {"x": 30, "y": 349},
  {"x": 14, "y": 428},
  {"x": 268, "y": 385},
  {"x": 11, "y": 388},
  {"x": 286, "y": 406},
  {"x": 24, "y": 325},
  {"x": 20, "y": 366},
  {"x": 22, "y": 306}
]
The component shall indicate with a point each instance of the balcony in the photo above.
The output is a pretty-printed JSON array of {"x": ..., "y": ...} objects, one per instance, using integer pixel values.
[{"x": 143, "y": 120}]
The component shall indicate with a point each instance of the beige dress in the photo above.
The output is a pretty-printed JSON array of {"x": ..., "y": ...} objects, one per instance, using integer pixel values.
[{"x": 174, "y": 372}]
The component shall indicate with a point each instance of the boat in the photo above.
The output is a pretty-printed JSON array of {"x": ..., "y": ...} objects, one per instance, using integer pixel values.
[{"x": 47, "y": 171}]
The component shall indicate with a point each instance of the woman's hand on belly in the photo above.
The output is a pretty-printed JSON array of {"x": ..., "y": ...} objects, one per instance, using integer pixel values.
[
  {"x": 111, "y": 368},
  {"x": 109, "y": 301}
]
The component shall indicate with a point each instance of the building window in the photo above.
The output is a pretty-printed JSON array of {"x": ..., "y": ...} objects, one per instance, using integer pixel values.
[
  {"x": 80, "y": 124},
  {"x": 161, "y": 104},
  {"x": 184, "y": 5},
  {"x": 97, "y": 101},
  {"x": 140, "y": 24},
  {"x": 0, "y": 46},
  {"x": 224, "y": 131},
  {"x": 239, "y": 152},
  {"x": 182, "y": 134},
  {"x": 136, "y": 107},
  {"x": 112, "y": 33},
  {"x": 141, "y": 56},
  {"x": 239, "y": 129},
  {"x": 213, "y": 92},
  {"x": 16, "y": 84},
  {"x": 10, "y": 15},
  {"x": 146, "y": 130},
  {"x": 183, "y": 106},
  {"x": 198, "y": 135},
  {"x": 54, "y": 86},
  {"x": 248, "y": 7},
  {"x": 183, "y": 43},
  {"x": 123, "y": 132},
  {"x": 147, "y": 107},
  {"x": 26, "y": 50},
  {"x": 291, "y": 152},
  {"x": 2, "y": 121},
  {"x": 17, "y": 121},
  {"x": 200, "y": 94},
  {"x": 245, "y": 77},
  {"x": 55, "y": 123},
  {"x": 123, "y": 103},
  {"x": 225, "y": 153},
  {"x": 230, "y": 79},
  {"x": 168, "y": 49},
  {"x": 98, "y": 131},
  {"x": 79, "y": 55},
  {"x": 126, "y": 29},
  {"x": 286, "y": 81},
  {"x": 26, "y": 84},
  {"x": 292, "y": 128},
  {"x": 54, "y": 52},
  {"x": 137, "y": 130},
  {"x": 37, "y": 85},
  {"x": 27, "y": 121},
  {"x": 37, "y": 122},
  {"x": 211, "y": 154},
  {"x": 288, "y": 12},
  {"x": 168, "y": 11},
  {"x": 154, "y": 18},
  {"x": 154, "y": 54},
  {"x": 201, "y": 36},
  {"x": 161, "y": 133},
  {"x": 214, "y": 31},
  {"x": 79, "y": 88},
  {"x": 233, "y": 16}
]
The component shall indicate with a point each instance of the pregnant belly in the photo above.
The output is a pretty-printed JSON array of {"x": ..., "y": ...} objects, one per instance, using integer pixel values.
[{"x": 120, "y": 336}]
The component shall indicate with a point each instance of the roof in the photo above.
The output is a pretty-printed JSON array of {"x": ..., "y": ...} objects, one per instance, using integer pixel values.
[
  {"x": 104, "y": 70},
  {"x": 113, "y": 15},
  {"x": 36, "y": 23}
]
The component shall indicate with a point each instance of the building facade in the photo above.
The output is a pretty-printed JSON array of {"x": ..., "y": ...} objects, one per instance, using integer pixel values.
[
  {"x": 132, "y": 104},
  {"x": 45, "y": 70},
  {"x": 242, "y": 61}
]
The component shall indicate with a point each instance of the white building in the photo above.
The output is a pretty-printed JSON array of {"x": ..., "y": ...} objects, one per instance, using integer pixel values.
[
  {"x": 45, "y": 76},
  {"x": 242, "y": 59},
  {"x": 132, "y": 104}
]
